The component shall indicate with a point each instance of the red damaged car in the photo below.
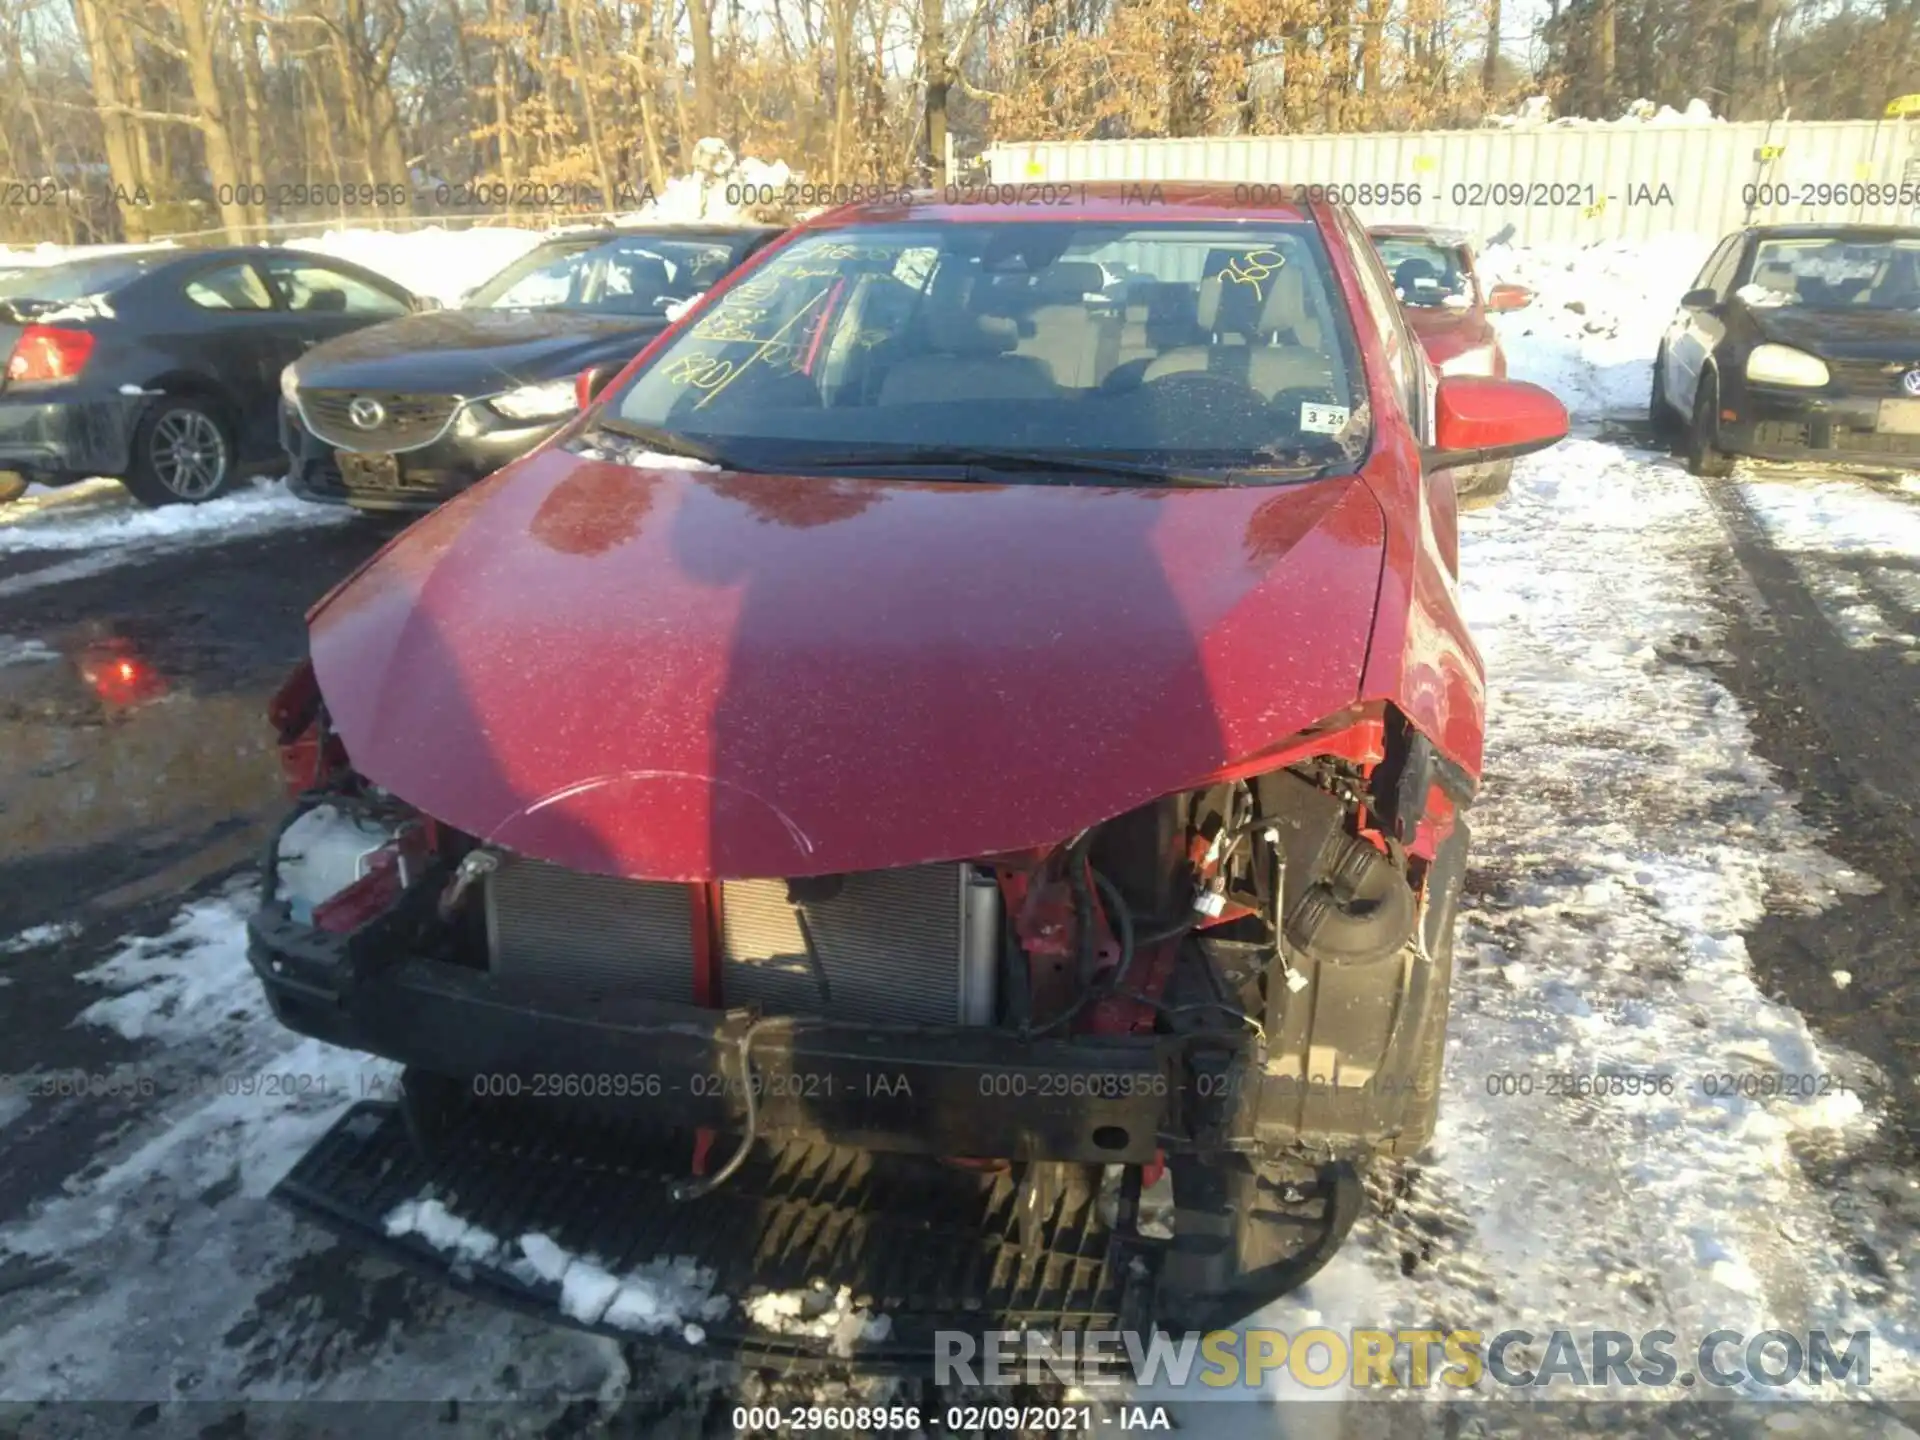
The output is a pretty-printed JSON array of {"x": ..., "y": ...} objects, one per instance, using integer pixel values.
[
  {"x": 941, "y": 793},
  {"x": 1434, "y": 278}
]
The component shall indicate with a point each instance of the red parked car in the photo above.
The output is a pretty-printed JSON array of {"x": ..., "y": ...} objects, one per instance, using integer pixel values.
[
  {"x": 967, "y": 733},
  {"x": 1433, "y": 276}
]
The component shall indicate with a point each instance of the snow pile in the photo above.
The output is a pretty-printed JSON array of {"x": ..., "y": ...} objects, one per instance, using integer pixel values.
[
  {"x": 1597, "y": 316},
  {"x": 436, "y": 262},
  {"x": 162, "y": 998},
  {"x": 1537, "y": 110},
  {"x": 701, "y": 194},
  {"x": 445, "y": 264},
  {"x": 820, "y": 1313},
  {"x": 48, "y": 253}
]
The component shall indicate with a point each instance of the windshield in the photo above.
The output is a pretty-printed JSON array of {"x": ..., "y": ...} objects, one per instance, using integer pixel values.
[
  {"x": 1836, "y": 273},
  {"x": 1212, "y": 346},
  {"x": 75, "y": 280},
  {"x": 1426, "y": 274},
  {"x": 630, "y": 275}
]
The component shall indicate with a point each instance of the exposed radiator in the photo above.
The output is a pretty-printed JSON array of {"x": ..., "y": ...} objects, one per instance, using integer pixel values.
[{"x": 916, "y": 945}]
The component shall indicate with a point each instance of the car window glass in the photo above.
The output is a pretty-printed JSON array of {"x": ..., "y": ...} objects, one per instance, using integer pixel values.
[
  {"x": 1720, "y": 278},
  {"x": 304, "y": 286},
  {"x": 229, "y": 287},
  {"x": 1704, "y": 280},
  {"x": 1209, "y": 343},
  {"x": 1403, "y": 370},
  {"x": 1837, "y": 272},
  {"x": 1425, "y": 274},
  {"x": 627, "y": 275}
]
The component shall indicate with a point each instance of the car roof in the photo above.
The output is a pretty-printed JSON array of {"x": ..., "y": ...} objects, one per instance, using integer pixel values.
[
  {"x": 1076, "y": 200},
  {"x": 1851, "y": 231},
  {"x": 1442, "y": 234},
  {"x": 663, "y": 228}
]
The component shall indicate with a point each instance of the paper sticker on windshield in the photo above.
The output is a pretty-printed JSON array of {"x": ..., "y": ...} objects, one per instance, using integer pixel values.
[{"x": 1323, "y": 419}]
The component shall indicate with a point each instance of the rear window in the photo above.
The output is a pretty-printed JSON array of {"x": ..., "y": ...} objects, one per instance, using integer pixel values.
[
  {"x": 1426, "y": 274},
  {"x": 1192, "y": 345},
  {"x": 75, "y": 280}
]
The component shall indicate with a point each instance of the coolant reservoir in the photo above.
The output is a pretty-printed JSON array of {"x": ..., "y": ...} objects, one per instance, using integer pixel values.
[{"x": 321, "y": 854}]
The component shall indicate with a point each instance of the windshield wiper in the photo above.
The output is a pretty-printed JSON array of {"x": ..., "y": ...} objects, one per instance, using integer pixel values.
[
  {"x": 1051, "y": 462},
  {"x": 665, "y": 442}
]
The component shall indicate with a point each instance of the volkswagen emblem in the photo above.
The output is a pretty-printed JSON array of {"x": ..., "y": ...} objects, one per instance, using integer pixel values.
[
  {"x": 1910, "y": 382},
  {"x": 368, "y": 413}
]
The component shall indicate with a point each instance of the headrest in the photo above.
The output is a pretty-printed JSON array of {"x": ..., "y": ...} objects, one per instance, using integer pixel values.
[
  {"x": 647, "y": 273},
  {"x": 1068, "y": 280},
  {"x": 327, "y": 299},
  {"x": 1254, "y": 305}
]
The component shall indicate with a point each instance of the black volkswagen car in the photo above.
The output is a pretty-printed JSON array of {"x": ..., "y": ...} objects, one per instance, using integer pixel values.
[
  {"x": 158, "y": 366},
  {"x": 1797, "y": 343},
  {"x": 401, "y": 416}
]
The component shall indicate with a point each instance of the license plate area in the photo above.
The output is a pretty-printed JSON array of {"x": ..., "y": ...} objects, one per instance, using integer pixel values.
[
  {"x": 368, "y": 471},
  {"x": 1898, "y": 417}
]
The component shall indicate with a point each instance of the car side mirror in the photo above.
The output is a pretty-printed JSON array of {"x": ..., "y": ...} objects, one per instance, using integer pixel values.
[
  {"x": 588, "y": 384},
  {"x": 1509, "y": 297},
  {"x": 1703, "y": 299},
  {"x": 1477, "y": 420}
]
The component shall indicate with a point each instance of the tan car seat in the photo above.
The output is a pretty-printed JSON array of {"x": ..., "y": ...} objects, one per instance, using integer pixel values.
[{"x": 1261, "y": 333}]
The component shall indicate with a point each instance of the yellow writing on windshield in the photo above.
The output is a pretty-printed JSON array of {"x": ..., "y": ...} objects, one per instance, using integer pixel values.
[{"x": 1252, "y": 269}]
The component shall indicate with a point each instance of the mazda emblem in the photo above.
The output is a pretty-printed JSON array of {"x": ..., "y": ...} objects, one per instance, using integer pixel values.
[
  {"x": 366, "y": 412},
  {"x": 1910, "y": 382}
]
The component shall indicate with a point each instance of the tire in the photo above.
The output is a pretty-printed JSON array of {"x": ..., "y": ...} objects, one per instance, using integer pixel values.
[
  {"x": 1704, "y": 456},
  {"x": 1664, "y": 418},
  {"x": 183, "y": 453}
]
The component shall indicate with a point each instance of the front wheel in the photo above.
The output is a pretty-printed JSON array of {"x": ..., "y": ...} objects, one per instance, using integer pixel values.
[
  {"x": 183, "y": 454},
  {"x": 1703, "y": 453}
]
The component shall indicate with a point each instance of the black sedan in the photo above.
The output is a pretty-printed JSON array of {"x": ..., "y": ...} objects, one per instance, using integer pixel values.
[
  {"x": 159, "y": 367},
  {"x": 1797, "y": 343},
  {"x": 404, "y": 415}
]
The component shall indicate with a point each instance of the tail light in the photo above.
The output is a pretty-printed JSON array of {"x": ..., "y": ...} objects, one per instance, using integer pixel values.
[{"x": 48, "y": 352}]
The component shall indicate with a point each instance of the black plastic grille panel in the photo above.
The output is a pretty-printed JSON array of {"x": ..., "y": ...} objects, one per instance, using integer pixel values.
[{"x": 931, "y": 1246}]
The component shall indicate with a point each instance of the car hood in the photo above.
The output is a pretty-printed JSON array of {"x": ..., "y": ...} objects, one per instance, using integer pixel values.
[
  {"x": 1843, "y": 334},
  {"x": 685, "y": 676},
  {"x": 472, "y": 352}
]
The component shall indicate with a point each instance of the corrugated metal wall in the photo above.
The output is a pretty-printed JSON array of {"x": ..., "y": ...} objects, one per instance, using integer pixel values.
[{"x": 1543, "y": 184}]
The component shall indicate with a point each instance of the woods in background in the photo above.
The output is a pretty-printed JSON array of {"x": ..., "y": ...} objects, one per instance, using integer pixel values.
[{"x": 156, "y": 117}]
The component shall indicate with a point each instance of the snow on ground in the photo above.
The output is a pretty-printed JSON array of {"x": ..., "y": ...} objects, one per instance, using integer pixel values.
[
  {"x": 1597, "y": 315},
  {"x": 184, "y": 1279},
  {"x": 1856, "y": 546},
  {"x": 103, "y": 526},
  {"x": 1626, "y": 838}
]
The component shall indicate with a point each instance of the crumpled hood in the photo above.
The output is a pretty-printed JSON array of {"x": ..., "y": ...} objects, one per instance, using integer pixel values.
[{"x": 684, "y": 676}]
